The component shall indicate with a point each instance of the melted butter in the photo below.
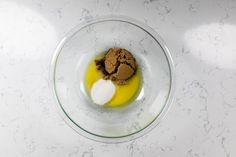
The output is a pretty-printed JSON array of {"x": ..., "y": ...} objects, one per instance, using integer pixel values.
[{"x": 124, "y": 93}]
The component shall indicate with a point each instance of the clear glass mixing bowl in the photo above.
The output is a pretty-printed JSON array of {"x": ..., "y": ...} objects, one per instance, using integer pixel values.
[{"x": 71, "y": 59}]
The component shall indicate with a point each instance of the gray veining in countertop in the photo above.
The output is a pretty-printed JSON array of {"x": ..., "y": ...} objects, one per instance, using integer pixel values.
[{"x": 201, "y": 36}]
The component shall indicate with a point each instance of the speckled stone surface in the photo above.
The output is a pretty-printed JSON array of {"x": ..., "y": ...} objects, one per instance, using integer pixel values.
[{"x": 201, "y": 36}]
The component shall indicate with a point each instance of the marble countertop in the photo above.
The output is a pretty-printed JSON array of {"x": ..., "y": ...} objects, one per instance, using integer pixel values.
[{"x": 201, "y": 36}]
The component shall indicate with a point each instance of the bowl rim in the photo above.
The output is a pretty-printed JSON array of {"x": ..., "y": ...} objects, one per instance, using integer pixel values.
[{"x": 148, "y": 127}]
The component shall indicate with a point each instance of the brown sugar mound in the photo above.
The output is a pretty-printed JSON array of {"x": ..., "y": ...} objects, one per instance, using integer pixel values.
[{"x": 118, "y": 65}]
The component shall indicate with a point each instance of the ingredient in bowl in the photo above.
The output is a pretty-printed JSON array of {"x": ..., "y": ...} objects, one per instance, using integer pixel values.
[
  {"x": 102, "y": 91},
  {"x": 123, "y": 94},
  {"x": 118, "y": 65}
]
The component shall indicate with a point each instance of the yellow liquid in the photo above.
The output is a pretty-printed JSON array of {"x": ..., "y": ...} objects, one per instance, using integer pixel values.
[{"x": 124, "y": 93}]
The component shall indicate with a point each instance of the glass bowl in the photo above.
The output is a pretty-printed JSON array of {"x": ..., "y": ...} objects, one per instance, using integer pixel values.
[{"x": 78, "y": 48}]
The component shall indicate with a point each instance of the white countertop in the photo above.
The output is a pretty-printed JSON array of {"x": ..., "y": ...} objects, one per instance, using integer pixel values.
[{"x": 201, "y": 36}]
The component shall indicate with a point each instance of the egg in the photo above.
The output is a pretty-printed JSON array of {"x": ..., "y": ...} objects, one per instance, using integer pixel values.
[{"x": 123, "y": 93}]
